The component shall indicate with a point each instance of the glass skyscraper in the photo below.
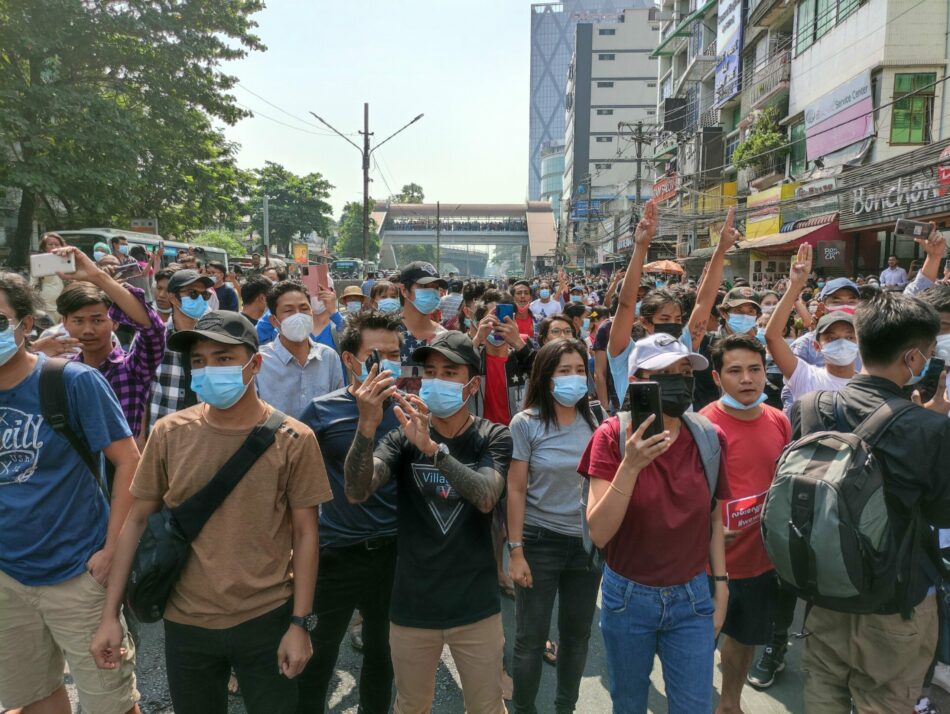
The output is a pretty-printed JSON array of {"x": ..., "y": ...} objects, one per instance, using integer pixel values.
[{"x": 552, "y": 44}]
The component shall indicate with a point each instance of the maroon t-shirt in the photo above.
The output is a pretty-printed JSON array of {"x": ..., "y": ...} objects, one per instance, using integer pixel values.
[{"x": 664, "y": 537}]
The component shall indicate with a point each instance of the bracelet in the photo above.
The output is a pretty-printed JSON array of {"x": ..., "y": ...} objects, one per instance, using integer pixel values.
[
  {"x": 721, "y": 578},
  {"x": 618, "y": 490}
]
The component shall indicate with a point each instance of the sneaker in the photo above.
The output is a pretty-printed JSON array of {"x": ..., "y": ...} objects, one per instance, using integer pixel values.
[
  {"x": 763, "y": 672},
  {"x": 925, "y": 706}
]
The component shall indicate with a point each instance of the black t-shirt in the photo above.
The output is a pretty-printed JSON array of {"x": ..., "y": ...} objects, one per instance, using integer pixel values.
[
  {"x": 705, "y": 390},
  {"x": 445, "y": 572}
]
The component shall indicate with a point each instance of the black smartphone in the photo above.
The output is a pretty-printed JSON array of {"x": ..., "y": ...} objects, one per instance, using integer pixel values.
[
  {"x": 931, "y": 380},
  {"x": 373, "y": 359},
  {"x": 128, "y": 270},
  {"x": 644, "y": 400},
  {"x": 906, "y": 228}
]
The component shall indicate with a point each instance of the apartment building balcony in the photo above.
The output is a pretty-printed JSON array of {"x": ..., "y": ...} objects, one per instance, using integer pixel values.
[
  {"x": 768, "y": 82},
  {"x": 769, "y": 172},
  {"x": 766, "y": 13},
  {"x": 680, "y": 26}
]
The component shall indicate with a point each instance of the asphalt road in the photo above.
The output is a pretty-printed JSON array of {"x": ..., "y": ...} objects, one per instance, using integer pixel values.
[{"x": 784, "y": 696}]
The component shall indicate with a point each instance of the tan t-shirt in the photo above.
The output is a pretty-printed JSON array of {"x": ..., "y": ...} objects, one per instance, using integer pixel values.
[{"x": 240, "y": 563}]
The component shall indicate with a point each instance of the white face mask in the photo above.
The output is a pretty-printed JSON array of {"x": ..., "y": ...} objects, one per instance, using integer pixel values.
[
  {"x": 319, "y": 307},
  {"x": 296, "y": 328}
]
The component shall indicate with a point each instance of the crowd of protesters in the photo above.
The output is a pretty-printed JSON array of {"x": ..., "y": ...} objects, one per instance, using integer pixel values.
[{"x": 438, "y": 444}]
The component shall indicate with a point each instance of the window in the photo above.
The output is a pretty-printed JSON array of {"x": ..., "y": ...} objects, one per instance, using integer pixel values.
[
  {"x": 605, "y": 112},
  {"x": 654, "y": 28},
  {"x": 603, "y": 167},
  {"x": 816, "y": 18},
  {"x": 825, "y": 17},
  {"x": 651, "y": 112},
  {"x": 604, "y": 139},
  {"x": 797, "y": 149},
  {"x": 651, "y": 84},
  {"x": 913, "y": 108},
  {"x": 805, "y": 25},
  {"x": 606, "y": 57},
  {"x": 606, "y": 32},
  {"x": 605, "y": 84}
]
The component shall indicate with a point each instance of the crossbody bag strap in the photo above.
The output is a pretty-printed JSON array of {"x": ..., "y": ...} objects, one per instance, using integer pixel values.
[
  {"x": 192, "y": 515},
  {"x": 874, "y": 426}
]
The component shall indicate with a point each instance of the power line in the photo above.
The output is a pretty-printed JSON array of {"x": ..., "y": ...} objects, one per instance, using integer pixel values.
[{"x": 256, "y": 113}]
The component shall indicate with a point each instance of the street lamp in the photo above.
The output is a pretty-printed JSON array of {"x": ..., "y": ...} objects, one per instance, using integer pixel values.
[{"x": 366, "y": 152}]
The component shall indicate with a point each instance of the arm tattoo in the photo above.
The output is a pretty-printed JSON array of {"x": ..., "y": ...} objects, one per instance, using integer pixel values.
[
  {"x": 481, "y": 488},
  {"x": 362, "y": 474}
]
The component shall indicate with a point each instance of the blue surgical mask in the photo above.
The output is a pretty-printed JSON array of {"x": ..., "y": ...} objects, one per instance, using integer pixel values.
[
  {"x": 741, "y": 324},
  {"x": 821, "y": 283},
  {"x": 98, "y": 255},
  {"x": 194, "y": 307},
  {"x": 915, "y": 378},
  {"x": 586, "y": 324},
  {"x": 569, "y": 389},
  {"x": 733, "y": 403},
  {"x": 577, "y": 298},
  {"x": 124, "y": 249},
  {"x": 441, "y": 397},
  {"x": 354, "y": 306},
  {"x": 467, "y": 323},
  {"x": 8, "y": 345},
  {"x": 426, "y": 301},
  {"x": 388, "y": 304},
  {"x": 840, "y": 352},
  {"x": 544, "y": 293},
  {"x": 760, "y": 335},
  {"x": 219, "y": 387},
  {"x": 494, "y": 340}
]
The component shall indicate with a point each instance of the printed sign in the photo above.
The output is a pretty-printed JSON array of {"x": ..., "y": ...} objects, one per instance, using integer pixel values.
[
  {"x": 666, "y": 188},
  {"x": 745, "y": 512},
  {"x": 729, "y": 44},
  {"x": 840, "y": 118}
]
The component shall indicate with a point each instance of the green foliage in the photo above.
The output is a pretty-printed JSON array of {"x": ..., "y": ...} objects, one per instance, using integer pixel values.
[
  {"x": 297, "y": 204},
  {"x": 226, "y": 241},
  {"x": 349, "y": 240},
  {"x": 108, "y": 111},
  {"x": 409, "y": 253},
  {"x": 411, "y": 193},
  {"x": 764, "y": 143}
]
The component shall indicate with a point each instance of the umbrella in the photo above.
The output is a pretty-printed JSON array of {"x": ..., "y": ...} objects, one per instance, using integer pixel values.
[{"x": 663, "y": 266}]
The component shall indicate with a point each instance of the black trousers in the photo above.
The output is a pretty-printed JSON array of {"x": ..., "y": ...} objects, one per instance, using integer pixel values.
[
  {"x": 350, "y": 577},
  {"x": 199, "y": 662}
]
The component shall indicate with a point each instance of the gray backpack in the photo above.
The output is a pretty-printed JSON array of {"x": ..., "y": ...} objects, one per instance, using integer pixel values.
[
  {"x": 825, "y": 523},
  {"x": 710, "y": 453}
]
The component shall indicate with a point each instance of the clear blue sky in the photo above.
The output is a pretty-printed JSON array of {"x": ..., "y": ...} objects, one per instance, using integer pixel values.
[{"x": 464, "y": 64}]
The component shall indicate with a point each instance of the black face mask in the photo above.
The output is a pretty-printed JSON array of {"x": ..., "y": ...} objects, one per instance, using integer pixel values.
[
  {"x": 670, "y": 328},
  {"x": 676, "y": 393}
]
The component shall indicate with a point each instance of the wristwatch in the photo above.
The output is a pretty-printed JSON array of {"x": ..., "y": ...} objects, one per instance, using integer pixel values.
[
  {"x": 512, "y": 546},
  {"x": 307, "y": 622},
  {"x": 441, "y": 451},
  {"x": 721, "y": 578}
]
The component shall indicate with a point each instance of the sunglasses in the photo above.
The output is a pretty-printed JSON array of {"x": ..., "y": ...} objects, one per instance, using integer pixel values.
[
  {"x": 5, "y": 323},
  {"x": 194, "y": 294}
]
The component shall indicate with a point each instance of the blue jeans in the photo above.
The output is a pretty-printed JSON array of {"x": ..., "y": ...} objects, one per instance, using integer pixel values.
[{"x": 639, "y": 622}]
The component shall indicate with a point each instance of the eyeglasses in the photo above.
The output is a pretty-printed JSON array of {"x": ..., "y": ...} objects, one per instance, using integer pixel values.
[
  {"x": 194, "y": 294},
  {"x": 5, "y": 323},
  {"x": 561, "y": 333}
]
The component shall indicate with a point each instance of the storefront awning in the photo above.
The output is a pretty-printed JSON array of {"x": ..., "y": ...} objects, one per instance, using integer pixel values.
[{"x": 785, "y": 242}]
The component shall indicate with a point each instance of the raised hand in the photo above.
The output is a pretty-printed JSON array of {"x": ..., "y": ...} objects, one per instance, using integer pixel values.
[
  {"x": 934, "y": 245},
  {"x": 729, "y": 234},
  {"x": 371, "y": 394},
  {"x": 640, "y": 452},
  {"x": 646, "y": 228},
  {"x": 801, "y": 267},
  {"x": 415, "y": 424},
  {"x": 86, "y": 269}
]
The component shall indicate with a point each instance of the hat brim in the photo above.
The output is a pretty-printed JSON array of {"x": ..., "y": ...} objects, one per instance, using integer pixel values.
[
  {"x": 737, "y": 303},
  {"x": 204, "y": 279},
  {"x": 420, "y": 353},
  {"x": 182, "y": 341},
  {"x": 828, "y": 293},
  {"x": 845, "y": 318},
  {"x": 662, "y": 361},
  {"x": 432, "y": 281}
]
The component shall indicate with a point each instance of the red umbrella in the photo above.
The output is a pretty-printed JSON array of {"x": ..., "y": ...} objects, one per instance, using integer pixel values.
[{"x": 663, "y": 266}]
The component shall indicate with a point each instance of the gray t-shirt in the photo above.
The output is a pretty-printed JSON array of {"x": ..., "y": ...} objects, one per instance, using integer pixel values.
[{"x": 554, "y": 486}]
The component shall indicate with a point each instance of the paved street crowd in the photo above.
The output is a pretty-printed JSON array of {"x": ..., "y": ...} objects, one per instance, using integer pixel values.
[{"x": 510, "y": 495}]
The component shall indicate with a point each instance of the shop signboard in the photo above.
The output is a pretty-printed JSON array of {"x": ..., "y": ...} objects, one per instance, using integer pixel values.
[
  {"x": 666, "y": 188},
  {"x": 912, "y": 185},
  {"x": 729, "y": 44},
  {"x": 830, "y": 254},
  {"x": 840, "y": 118}
]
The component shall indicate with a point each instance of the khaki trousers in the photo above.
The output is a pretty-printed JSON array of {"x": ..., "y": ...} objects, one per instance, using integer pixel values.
[
  {"x": 876, "y": 661},
  {"x": 477, "y": 650}
]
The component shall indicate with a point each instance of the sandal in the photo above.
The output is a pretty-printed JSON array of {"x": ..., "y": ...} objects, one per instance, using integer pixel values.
[{"x": 550, "y": 652}]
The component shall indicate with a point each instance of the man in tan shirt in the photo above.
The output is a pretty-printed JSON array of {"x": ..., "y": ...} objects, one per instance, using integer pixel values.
[{"x": 244, "y": 598}]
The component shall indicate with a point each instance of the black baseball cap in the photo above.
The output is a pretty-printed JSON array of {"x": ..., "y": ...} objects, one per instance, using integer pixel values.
[
  {"x": 454, "y": 346},
  {"x": 421, "y": 273},
  {"x": 224, "y": 326},
  {"x": 831, "y": 318},
  {"x": 183, "y": 278},
  {"x": 742, "y": 295}
]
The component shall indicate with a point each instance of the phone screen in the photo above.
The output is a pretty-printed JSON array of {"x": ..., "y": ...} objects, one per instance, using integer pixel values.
[
  {"x": 644, "y": 400},
  {"x": 504, "y": 310}
]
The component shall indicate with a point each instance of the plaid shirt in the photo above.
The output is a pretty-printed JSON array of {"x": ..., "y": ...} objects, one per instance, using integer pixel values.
[
  {"x": 131, "y": 373},
  {"x": 171, "y": 387}
]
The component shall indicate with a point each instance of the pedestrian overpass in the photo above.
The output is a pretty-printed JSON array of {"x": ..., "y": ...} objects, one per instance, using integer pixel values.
[{"x": 470, "y": 234}]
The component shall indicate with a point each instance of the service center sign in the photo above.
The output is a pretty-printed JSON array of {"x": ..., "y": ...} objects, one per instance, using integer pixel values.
[
  {"x": 729, "y": 45},
  {"x": 840, "y": 118}
]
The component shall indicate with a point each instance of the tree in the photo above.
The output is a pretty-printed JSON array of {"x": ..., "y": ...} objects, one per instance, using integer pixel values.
[
  {"x": 108, "y": 108},
  {"x": 223, "y": 240},
  {"x": 297, "y": 204},
  {"x": 411, "y": 193},
  {"x": 765, "y": 144},
  {"x": 409, "y": 253},
  {"x": 349, "y": 240}
]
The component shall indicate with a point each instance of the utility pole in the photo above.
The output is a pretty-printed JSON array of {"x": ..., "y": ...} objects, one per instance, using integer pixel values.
[
  {"x": 639, "y": 140},
  {"x": 266, "y": 223},
  {"x": 590, "y": 211},
  {"x": 366, "y": 152},
  {"x": 438, "y": 238}
]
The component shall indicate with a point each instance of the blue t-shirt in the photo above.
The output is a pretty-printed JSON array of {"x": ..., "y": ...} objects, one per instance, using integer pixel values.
[
  {"x": 266, "y": 332},
  {"x": 227, "y": 298},
  {"x": 333, "y": 418},
  {"x": 53, "y": 515}
]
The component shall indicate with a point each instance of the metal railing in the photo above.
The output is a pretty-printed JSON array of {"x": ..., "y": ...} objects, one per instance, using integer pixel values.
[
  {"x": 763, "y": 81},
  {"x": 772, "y": 165}
]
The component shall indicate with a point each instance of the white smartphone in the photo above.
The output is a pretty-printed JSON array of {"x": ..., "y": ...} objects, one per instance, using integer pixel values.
[{"x": 49, "y": 264}]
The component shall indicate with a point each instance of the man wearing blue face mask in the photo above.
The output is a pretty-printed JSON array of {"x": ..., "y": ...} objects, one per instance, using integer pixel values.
[
  {"x": 245, "y": 598},
  {"x": 739, "y": 372},
  {"x": 420, "y": 283},
  {"x": 544, "y": 306},
  {"x": 357, "y": 541},
  {"x": 450, "y": 468},
  {"x": 188, "y": 293}
]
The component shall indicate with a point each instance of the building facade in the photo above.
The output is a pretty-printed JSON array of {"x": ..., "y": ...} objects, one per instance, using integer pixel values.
[{"x": 552, "y": 175}]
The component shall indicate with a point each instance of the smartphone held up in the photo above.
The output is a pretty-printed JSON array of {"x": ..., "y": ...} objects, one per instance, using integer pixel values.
[{"x": 644, "y": 398}]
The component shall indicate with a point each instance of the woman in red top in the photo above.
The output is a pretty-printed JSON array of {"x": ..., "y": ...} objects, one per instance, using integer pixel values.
[{"x": 652, "y": 513}]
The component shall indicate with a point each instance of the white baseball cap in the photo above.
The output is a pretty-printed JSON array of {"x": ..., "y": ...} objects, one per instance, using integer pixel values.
[{"x": 659, "y": 351}]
